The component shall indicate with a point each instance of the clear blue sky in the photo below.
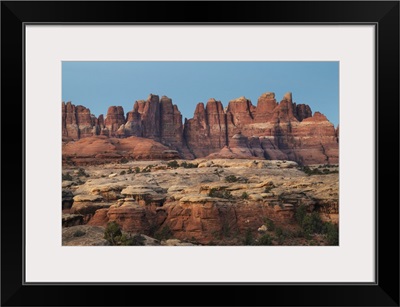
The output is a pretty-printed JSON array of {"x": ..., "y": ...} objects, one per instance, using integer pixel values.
[{"x": 98, "y": 85}]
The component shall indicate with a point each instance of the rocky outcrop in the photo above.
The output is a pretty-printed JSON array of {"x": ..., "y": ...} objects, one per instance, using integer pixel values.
[
  {"x": 102, "y": 149},
  {"x": 216, "y": 202},
  {"x": 206, "y": 131},
  {"x": 284, "y": 131},
  {"x": 115, "y": 121},
  {"x": 269, "y": 130}
]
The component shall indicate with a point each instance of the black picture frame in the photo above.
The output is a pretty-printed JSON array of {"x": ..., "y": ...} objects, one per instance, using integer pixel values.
[{"x": 383, "y": 14}]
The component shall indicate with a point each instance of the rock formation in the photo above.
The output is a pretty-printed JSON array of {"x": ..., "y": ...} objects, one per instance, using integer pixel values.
[{"x": 270, "y": 130}]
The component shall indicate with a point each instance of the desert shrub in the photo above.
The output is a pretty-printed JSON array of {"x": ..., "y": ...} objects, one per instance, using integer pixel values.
[
  {"x": 332, "y": 233},
  {"x": 135, "y": 240},
  {"x": 279, "y": 231},
  {"x": 137, "y": 169},
  {"x": 220, "y": 194},
  {"x": 188, "y": 165},
  {"x": 317, "y": 171},
  {"x": 312, "y": 223},
  {"x": 122, "y": 173},
  {"x": 82, "y": 172},
  {"x": 268, "y": 189},
  {"x": 270, "y": 224},
  {"x": 300, "y": 213},
  {"x": 114, "y": 236},
  {"x": 67, "y": 176},
  {"x": 129, "y": 171},
  {"x": 148, "y": 168},
  {"x": 248, "y": 238},
  {"x": 164, "y": 233},
  {"x": 173, "y": 164},
  {"x": 124, "y": 160},
  {"x": 113, "y": 233},
  {"x": 79, "y": 233},
  {"x": 78, "y": 182},
  {"x": 265, "y": 240},
  {"x": 231, "y": 178},
  {"x": 245, "y": 195}
]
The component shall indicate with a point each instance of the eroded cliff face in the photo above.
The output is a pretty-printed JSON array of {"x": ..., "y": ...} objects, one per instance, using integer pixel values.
[
  {"x": 270, "y": 130},
  {"x": 216, "y": 202}
]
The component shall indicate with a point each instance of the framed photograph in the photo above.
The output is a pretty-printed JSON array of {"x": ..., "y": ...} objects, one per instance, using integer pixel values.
[{"x": 251, "y": 153}]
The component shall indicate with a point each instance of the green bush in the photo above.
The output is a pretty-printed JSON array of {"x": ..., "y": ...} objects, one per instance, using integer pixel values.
[
  {"x": 220, "y": 194},
  {"x": 129, "y": 171},
  {"x": 173, "y": 164},
  {"x": 188, "y": 165},
  {"x": 312, "y": 223},
  {"x": 231, "y": 178},
  {"x": 147, "y": 169},
  {"x": 245, "y": 195},
  {"x": 137, "y": 170},
  {"x": 124, "y": 160},
  {"x": 268, "y": 189},
  {"x": 114, "y": 236},
  {"x": 82, "y": 172},
  {"x": 265, "y": 240},
  {"x": 164, "y": 233},
  {"x": 113, "y": 233},
  {"x": 122, "y": 173},
  {"x": 300, "y": 213},
  {"x": 248, "y": 238},
  {"x": 270, "y": 224},
  {"x": 279, "y": 231},
  {"x": 332, "y": 233},
  {"x": 67, "y": 176},
  {"x": 317, "y": 171},
  {"x": 135, "y": 240}
]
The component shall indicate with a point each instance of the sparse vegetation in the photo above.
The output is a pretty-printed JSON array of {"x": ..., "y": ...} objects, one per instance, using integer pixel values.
[
  {"x": 129, "y": 240},
  {"x": 122, "y": 173},
  {"x": 67, "y": 176},
  {"x": 173, "y": 164},
  {"x": 113, "y": 233},
  {"x": 231, "y": 178},
  {"x": 115, "y": 237},
  {"x": 82, "y": 173},
  {"x": 129, "y": 171},
  {"x": 147, "y": 169},
  {"x": 164, "y": 233},
  {"x": 137, "y": 170},
  {"x": 248, "y": 238},
  {"x": 312, "y": 223},
  {"x": 245, "y": 195},
  {"x": 268, "y": 189},
  {"x": 188, "y": 165},
  {"x": 218, "y": 172},
  {"x": 270, "y": 224},
  {"x": 124, "y": 160},
  {"x": 316, "y": 171},
  {"x": 332, "y": 233},
  {"x": 220, "y": 194},
  {"x": 265, "y": 239},
  {"x": 300, "y": 213}
]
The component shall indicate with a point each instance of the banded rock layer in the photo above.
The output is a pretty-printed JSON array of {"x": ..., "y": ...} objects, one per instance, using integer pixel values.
[{"x": 270, "y": 130}]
